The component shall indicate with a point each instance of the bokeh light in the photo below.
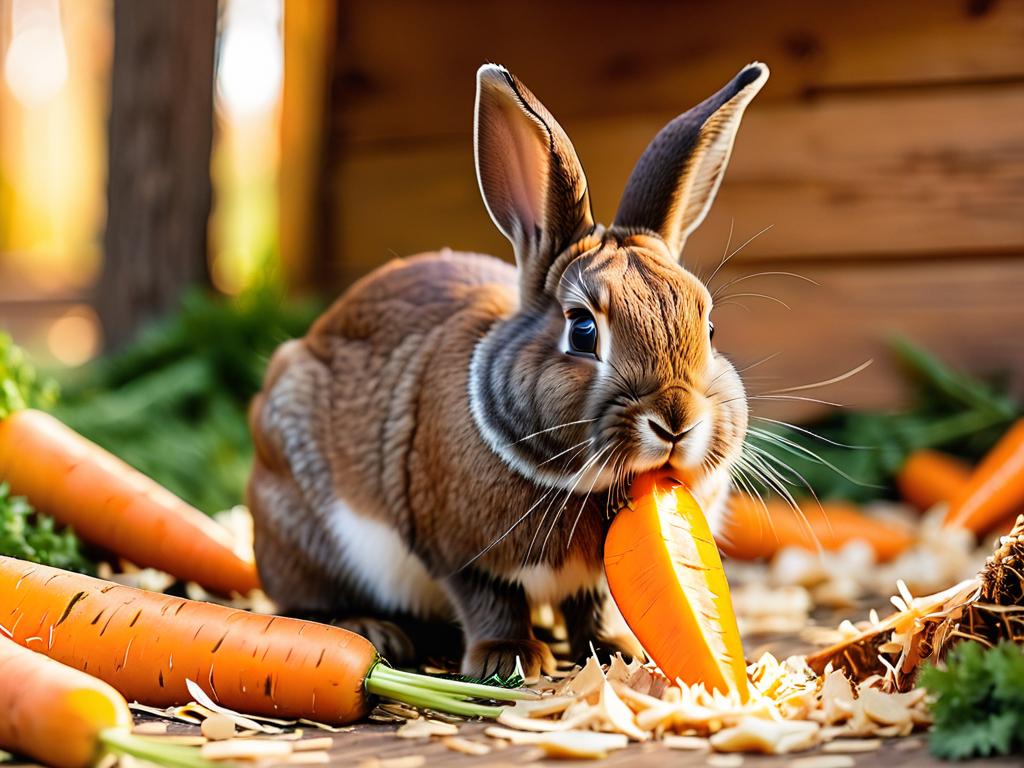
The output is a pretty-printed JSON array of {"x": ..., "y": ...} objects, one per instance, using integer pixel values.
[
  {"x": 251, "y": 62},
  {"x": 36, "y": 64}
]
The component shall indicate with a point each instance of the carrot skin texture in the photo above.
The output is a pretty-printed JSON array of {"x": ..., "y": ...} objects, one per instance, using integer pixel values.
[
  {"x": 996, "y": 488},
  {"x": 929, "y": 477},
  {"x": 751, "y": 532},
  {"x": 146, "y": 645},
  {"x": 53, "y": 713},
  {"x": 665, "y": 573},
  {"x": 115, "y": 506}
]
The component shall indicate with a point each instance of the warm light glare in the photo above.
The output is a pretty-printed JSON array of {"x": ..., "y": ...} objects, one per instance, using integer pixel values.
[
  {"x": 251, "y": 60},
  {"x": 36, "y": 64},
  {"x": 74, "y": 338}
]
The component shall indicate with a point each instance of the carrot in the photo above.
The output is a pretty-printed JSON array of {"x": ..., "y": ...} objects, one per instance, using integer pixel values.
[
  {"x": 666, "y": 576},
  {"x": 113, "y": 506},
  {"x": 929, "y": 477},
  {"x": 65, "y": 718},
  {"x": 753, "y": 529},
  {"x": 146, "y": 645},
  {"x": 995, "y": 489}
]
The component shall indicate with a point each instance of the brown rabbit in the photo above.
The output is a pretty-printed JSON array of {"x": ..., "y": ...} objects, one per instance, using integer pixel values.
[{"x": 450, "y": 438}]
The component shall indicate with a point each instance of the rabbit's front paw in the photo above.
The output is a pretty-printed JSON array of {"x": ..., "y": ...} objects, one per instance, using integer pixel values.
[{"x": 489, "y": 657}]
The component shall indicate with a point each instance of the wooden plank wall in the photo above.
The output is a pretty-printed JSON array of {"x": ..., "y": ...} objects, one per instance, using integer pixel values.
[{"x": 886, "y": 154}]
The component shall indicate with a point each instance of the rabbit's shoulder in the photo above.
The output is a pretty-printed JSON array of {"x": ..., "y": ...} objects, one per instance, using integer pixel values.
[{"x": 413, "y": 295}]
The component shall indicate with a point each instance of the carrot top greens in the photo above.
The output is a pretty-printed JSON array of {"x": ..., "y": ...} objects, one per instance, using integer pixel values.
[{"x": 21, "y": 386}]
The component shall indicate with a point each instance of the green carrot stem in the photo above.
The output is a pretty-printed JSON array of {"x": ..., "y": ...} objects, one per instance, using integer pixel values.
[
  {"x": 120, "y": 741},
  {"x": 427, "y": 699},
  {"x": 457, "y": 687}
]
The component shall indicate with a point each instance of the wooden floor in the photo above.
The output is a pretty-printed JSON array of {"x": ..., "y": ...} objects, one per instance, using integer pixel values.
[{"x": 370, "y": 742}]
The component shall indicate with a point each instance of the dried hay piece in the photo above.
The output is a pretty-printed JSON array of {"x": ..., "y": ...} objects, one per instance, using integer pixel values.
[
  {"x": 312, "y": 745},
  {"x": 150, "y": 729},
  {"x": 852, "y": 745},
  {"x": 615, "y": 714},
  {"x": 989, "y": 607}
]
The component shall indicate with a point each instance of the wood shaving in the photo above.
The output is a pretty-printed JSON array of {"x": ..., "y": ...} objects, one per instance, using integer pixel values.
[
  {"x": 852, "y": 745},
  {"x": 246, "y": 749},
  {"x": 690, "y": 743},
  {"x": 422, "y": 728},
  {"x": 217, "y": 727},
  {"x": 408, "y": 761},
  {"x": 725, "y": 761},
  {"x": 466, "y": 746},
  {"x": 150, "y": 729},
  {"x": 770, "y": 737},
  {"x": 822, "y": 761},
  {"x": 318, "y": 743}
]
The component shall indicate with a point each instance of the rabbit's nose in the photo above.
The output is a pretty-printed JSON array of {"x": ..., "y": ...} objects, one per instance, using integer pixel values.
[{"x": 672, "y": 436}]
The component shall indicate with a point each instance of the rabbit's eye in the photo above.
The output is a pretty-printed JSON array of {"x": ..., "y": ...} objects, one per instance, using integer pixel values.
[{"x": 582, "y": 333}]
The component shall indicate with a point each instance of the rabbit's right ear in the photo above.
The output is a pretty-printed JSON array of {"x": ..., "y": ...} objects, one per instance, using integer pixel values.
[
  {"x": 675, "y": 180},
  {"x": 530, "y": 177}
]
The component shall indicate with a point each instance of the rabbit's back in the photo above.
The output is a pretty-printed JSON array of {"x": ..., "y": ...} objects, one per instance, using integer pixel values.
[{"x": 340, "y": 409}]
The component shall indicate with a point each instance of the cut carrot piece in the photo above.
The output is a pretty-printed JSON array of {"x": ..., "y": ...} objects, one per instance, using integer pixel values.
[
  {"x": 116, "y": 507},
  {"x": 754, "y": 529},
  {"x": 930, "y": 477},
  {"x": 666, "y": 576},
  {"x": 995, "y": 490}
]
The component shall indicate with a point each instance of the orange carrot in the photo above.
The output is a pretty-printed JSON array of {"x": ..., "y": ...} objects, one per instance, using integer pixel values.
[
  {"x": 930, "y": 477},
  {"x": 68, "y": 719},
  {"x": 754, "y": 530},
  {"x": 666, "y": 576},
  {"x": 113, "y": 506},
  {"x": 146, "y": 645},
  {"x": 995, "y": 489}
]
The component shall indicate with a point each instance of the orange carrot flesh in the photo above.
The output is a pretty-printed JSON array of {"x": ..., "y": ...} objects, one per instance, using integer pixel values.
[
  {"x": 146, "y": 645},
  {"x": 53, "y": 713},
  {"x": 753, "y": 530},
  {"x": 666, "y": 576},
  {"x": 930, "y": 477},
  {"x": 995, "y": 489},
  {"x": 116, "y": 507}
]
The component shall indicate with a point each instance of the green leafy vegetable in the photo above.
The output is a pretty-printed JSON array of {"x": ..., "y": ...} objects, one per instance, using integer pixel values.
[
  {"x": 20, "y": 383},
  {"x": 977, "y": 701},
  {"x": 33, "y": 537}
]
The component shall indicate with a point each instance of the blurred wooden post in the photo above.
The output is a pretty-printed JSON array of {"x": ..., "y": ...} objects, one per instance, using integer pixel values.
[
  {"x": 161, "y": 125},
  {"x": 304, "y": 194}
]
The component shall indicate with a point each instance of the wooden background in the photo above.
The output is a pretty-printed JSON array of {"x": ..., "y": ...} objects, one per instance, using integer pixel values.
[{"x": 886, "y": 153}]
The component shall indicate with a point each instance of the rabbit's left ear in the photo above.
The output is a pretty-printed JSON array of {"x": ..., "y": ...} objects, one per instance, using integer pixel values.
[
  {"x": 530, "y": 177},
  {"x": 676, "y": 179}
]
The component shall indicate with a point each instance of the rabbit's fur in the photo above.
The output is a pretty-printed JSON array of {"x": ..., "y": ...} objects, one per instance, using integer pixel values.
[{"x": 438, "y": 446}]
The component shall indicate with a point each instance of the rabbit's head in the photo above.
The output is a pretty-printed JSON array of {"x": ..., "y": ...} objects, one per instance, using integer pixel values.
[{"x": 608, "y": 367}]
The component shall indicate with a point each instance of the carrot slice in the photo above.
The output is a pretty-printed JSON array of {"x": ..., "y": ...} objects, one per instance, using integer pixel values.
[
  {"x": 929, "y": 477},
  {"x": 995, "y": 490},
  {"x": 753, "y": 529},
  {"x": 666, "y": 576},
  {"x": 116, "y": 507}
]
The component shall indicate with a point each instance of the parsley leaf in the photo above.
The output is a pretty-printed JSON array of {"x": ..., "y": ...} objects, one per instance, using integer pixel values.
[
  {"x": 977, "y": 701},
  {"x": 34, "y": 537}
]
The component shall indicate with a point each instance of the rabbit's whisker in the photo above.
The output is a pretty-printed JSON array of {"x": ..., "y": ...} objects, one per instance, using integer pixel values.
[
  {"x": 549, "y": 429},
  {"x": 590, "y": 490},
  {"x": 757, "y": 296},
  {"x": 812, "y": 433},
  {"x": 826, "y": 382},
  {"x": 773, "y": 273}
]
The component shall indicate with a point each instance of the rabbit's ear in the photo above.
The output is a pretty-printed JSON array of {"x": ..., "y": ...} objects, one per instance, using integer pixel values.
[
  {"x": 675, "y": 180},
  {"x": 530, "y": 177}
]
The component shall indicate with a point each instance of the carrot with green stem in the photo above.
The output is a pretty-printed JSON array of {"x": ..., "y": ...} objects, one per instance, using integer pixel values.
[
  {"x": 147, "y": 645},
  {"x": 666, "y": 577},
  {"x": 754, "y": 528},
  {"x": 995, "y": 489},
  {"x": 114, "y": 506},
  {"x": 65, "y": 718}
]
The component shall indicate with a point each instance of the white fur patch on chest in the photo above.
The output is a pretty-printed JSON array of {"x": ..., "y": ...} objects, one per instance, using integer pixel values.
[
  {"x": 544, "y": 584},
  {"x": 374, "y": 555}
]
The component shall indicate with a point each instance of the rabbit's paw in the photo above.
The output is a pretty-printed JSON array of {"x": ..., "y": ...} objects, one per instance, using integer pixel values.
[{"x": 489, "y": 657}]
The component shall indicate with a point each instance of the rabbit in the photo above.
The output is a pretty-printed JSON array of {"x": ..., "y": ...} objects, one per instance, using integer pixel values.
[{"x": 449, "y": 440}]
